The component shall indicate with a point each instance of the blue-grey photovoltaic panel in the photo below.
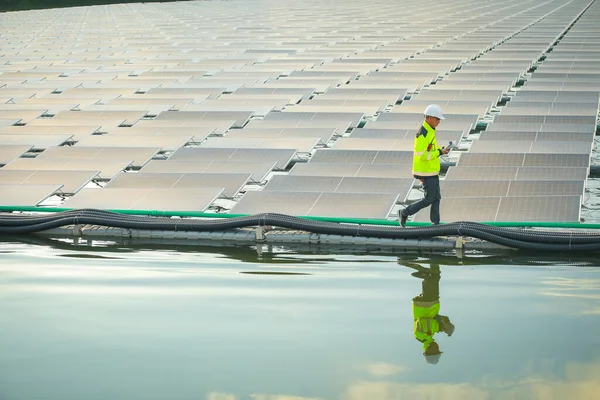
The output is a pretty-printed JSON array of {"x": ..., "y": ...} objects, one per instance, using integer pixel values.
[
  {"x": 479, "y": 173},
  {"x": 305, "y": 92},
  {"x": 71, "y": 181},
  {"x": 491, "y": 159},
  {"x": 556, "y": 160},
  {"x": 540, "y": 209},
  {"x": 352, "y": 118},
  {"x": 362, "y": 156},
  {"x": 516, "y": 173},
  {"x": 536, "y": 136},
  {"x": 326, "y": 169},
  {"x": 546, "y": 188},
  {"x": 565, "y": 137},
  {"x": 561, "y": 147},
  {"x": 398, "y": 186},
  {"x": 139, "y": 155},
  {"x": 554, "y": 173},
  {"x": 324, "y": 133},
  {"x": 108, "y": 167},
  {"x": 343, "y": 156},
  {"x": 257, "y": 170},
  {"x": 281, "y": 156},
  {"x": 476, "y": 209},
  {"x": 502, "y": 146},
  {"x": 344, "y": 205},
  {"x": 507, "y": 136},
  {"x": 240, "y": 117},
  {"x": 292, "y": 203},
  {"x": 300, "y": 183},
  {"x": 354, "y": 205},
  {"x": 381, "y": 133},
  {"x": 26, "y": 195},
  {"x": 454, "y": 118},
  {"x": 232, "y": 183},
  {"x": 474, "y": 188},
  {"x": 394, "y": 157},
  {"x": 170, "y": 199},
  {"x": 442, "y": 136},
  {"x": 352, "y": 169},
  {"x": 545, "y": 119},
  {"x": 10, "y": 153}
]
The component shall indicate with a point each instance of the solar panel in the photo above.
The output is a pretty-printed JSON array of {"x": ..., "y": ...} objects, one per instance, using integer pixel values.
[
  {"x": 556, "y": 160},
  {"x": 474, "y": 188},
  {"x": 362, "y": 156},
  {"x": 232, "y": 183},
  {"x": 165, "y": 143},
  {"x": 491, "y": 159},
  {"x": 197, "y": 134},
  {"x": 281, "y": 157},
  {"x": 474, "y": 172},
  {"x": 4, "y": 122},
  {"x": 292, "y": 203},
  {"x": 71, "y": 181},
  {"x": 240, "y": 117},
  {"x": 100, "y": 125},
  {"x": 37, "y": 141},
  {"x": 476, "y": 209},
  {"x": 304, "y": 92},
  {"x": 325, "y": 134},
  {"x": 297, "y": 115},
  {"x": 301, "y": 144},
  {"x": 339, "y": 126},
  {"x": 497, "y": 146},
  {"x": 348, "y": 205},
  {"x": 296, "y": 183},
  {"x": 139, "y": 155},
  {"x": 26, "y": 195},
  {"x": 546, "y": 188},
  {"x": 107, "y": 167},
  {"x": 9, "y": 153},
  {"x": 150, "y": 199},
  {"x": 128, "y": 117},
  {"x": 541, "y": 208},
  {"x": 554, "y": 173},
  {"x": 23, "y": 116},
  {"x": 352, "y": 169}
]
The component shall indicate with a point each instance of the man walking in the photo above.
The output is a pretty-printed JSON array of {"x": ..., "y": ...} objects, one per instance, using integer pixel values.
[{"x": 426, "y": 166}]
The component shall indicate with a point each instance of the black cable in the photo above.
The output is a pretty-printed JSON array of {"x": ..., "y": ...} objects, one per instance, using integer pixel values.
[{"x": 526, "y": 239}]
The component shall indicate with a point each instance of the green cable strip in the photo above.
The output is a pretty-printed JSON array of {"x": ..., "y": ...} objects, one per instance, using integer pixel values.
[{"x": 363, "y": 221}]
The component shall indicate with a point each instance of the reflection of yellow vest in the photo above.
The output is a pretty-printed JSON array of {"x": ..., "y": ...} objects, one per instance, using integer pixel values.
[
  {"x": 426, "y": 163},
  {"x": 425, "y": 326}
]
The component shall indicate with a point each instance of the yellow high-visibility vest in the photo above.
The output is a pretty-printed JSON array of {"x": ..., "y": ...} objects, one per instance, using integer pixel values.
[
  {"x": 426, "y": 162},
  {"x": 425, "y": 326}
]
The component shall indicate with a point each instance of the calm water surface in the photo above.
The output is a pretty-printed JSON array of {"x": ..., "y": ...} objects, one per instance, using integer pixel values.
[{"x": 114, "y": 322}]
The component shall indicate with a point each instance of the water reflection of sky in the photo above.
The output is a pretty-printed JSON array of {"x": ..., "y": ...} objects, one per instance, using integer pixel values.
[{"x": 120, "y": 324}]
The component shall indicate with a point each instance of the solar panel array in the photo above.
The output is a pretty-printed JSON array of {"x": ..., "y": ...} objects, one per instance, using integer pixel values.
[{"x": 284, "y": 107}]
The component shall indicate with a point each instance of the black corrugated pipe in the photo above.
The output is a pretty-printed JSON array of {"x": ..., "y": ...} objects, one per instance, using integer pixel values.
[{"x": 526, "y": 239}]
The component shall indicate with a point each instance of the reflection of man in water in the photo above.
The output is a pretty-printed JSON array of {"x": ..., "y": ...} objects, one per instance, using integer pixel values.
[{"x": 426, "y": 308}]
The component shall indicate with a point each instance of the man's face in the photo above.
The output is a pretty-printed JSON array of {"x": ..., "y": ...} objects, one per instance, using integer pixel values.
[{"x": 433, "y": 122}]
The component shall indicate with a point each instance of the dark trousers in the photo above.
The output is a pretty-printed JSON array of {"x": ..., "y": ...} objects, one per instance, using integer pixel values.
[
  {"x": 430, "y": 287},
  {"x": 432, "y": 198}
]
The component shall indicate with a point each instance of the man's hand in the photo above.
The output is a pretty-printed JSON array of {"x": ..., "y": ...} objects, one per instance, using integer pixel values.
[{"x": 446, "y": 150}]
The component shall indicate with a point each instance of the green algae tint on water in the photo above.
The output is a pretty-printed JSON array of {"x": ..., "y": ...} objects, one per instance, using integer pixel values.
[{"x": 116, "y": 322}]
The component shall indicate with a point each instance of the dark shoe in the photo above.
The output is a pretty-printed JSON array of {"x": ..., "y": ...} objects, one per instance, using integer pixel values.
[{"x": 402, "y": 218}]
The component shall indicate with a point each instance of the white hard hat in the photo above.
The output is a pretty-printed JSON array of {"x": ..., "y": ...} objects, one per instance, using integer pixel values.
[
  {"x": 433, "y": 359},
  {"x": 433, "y": 110}
]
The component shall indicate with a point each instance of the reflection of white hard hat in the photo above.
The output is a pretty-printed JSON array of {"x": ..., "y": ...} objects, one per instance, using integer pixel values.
[
  {"x": 433, "y": 359},
  {"x": 433, "y": 110}
]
